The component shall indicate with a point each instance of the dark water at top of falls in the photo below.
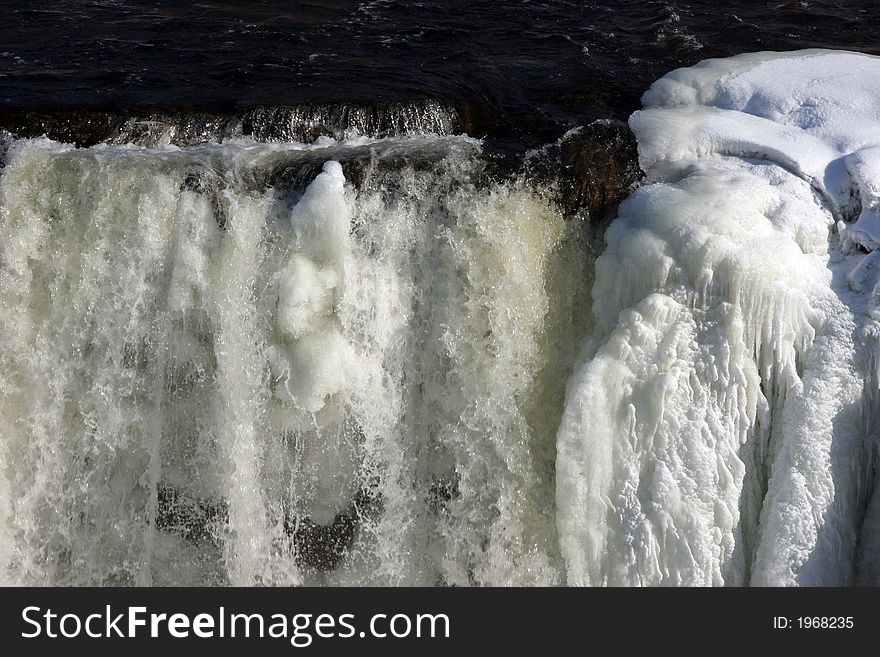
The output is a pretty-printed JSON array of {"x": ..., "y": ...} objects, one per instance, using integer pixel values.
[{"x": 522, "y": 72}]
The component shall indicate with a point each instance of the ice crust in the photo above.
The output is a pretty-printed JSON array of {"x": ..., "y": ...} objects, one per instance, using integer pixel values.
[{"x": 719, "y": 429}]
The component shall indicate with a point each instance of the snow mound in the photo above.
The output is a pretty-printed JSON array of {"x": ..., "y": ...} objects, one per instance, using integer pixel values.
[
  {"x": 717, "y": 431},
  {"x": 813, "y": 112}
]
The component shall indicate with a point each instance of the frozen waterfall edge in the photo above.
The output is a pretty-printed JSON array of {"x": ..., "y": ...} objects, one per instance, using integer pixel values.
[{"x": 720, "y": 429}]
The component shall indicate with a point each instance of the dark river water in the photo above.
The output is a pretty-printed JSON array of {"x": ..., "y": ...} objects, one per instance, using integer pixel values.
[{"x": 523, "y": 71}]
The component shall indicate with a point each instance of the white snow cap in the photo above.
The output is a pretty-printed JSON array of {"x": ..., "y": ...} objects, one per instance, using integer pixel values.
[{"x": 813, "y": 112}]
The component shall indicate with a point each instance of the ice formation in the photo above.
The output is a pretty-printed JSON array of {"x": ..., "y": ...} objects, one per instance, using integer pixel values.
[{"x": 719, "y": 430}]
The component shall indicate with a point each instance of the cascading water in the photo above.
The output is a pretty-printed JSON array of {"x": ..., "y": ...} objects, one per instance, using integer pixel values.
[
  {"x": 223, "y": 364},
  {"x": 371, "y": 361}
]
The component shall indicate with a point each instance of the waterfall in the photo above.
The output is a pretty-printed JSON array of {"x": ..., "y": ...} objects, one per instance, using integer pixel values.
[
  {"x": 358, "y": 349},
  {"x": 228, "y": 364}
]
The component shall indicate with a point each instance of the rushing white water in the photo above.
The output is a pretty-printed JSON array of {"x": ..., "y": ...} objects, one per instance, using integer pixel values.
[{"x": 206, "y": 364}]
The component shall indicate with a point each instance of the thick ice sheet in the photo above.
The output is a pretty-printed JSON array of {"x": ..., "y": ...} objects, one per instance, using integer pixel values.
[{"x": 717, "y": 431}]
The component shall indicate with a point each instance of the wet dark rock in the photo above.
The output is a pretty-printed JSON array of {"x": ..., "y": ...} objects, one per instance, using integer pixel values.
[
  {"x": 589, "y": 168},
  {"x": 150, "y": 128},
  {"x": 291, "y": 171},
  {"x": 191, "y": 518},
  {"x": 179, "y": 128},
  {"x": 145, "y": 128},
  {"x": 207, "y": 183},
  {"x": 593, "y": 167},
  {"x": 319, "y": 547},
  {"x": 442, "y": 492},
  {"x": 306, "y": 123},
  {"x": 80, "y": 127},
  {"x": 5, "y": 142}
]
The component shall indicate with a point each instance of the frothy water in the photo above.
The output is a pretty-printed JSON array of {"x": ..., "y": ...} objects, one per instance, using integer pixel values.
[{"x": 230, "y": 382}]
